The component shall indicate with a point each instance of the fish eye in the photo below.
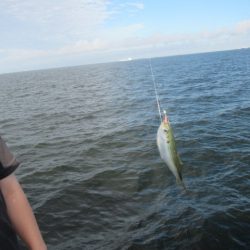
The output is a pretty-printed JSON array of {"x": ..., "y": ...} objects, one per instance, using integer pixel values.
[{"x": 165, "y": 130}]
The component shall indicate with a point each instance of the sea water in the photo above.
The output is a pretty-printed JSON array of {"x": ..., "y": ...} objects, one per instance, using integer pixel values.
[{"x": 86, "y": 137}]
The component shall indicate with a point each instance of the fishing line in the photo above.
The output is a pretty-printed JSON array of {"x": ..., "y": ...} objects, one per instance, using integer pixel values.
[{"x": 156, "y": 94}]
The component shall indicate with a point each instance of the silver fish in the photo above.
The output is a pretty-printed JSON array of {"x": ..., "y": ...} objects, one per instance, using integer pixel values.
[{"x": 167, "y": 148}]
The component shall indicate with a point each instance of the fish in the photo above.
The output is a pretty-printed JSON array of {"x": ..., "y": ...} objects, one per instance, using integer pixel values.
[{"x": 168, "y": 151}]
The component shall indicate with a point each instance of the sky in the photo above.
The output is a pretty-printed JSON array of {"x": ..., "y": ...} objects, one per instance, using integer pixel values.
[{"x": 39, "y": 34}]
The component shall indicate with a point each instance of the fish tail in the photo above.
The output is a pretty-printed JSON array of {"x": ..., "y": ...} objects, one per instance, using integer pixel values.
[{"x": 180, "y": 182}]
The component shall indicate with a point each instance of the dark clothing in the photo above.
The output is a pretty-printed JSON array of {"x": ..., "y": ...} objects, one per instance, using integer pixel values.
[
  {"x": 4, "y": 172},
  {"x": 8, "y": 238},
  {"x": 8, "y": 164}
]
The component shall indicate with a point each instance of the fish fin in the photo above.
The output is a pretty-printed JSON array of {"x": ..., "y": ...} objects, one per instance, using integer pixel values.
[{"x": 179, "y": 158}]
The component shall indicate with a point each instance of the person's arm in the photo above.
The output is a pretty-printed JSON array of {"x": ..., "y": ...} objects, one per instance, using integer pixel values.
[{"x": 20, "y": 213}]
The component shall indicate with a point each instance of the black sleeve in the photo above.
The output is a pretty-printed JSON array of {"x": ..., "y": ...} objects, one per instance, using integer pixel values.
[
  {"x": 4, "y": 172},
  {"x": 8, "y": 162}
]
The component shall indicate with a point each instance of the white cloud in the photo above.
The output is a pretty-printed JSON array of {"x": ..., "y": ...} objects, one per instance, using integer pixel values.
[
  {"x": 23, "y": 54},
  {"x": 109, "y": 40},
  {"x": 48, "y": 10},
  {"x": 137, "y": 5},
  {"x": 127, "y": 7},
  {"x": 81, "y": 46},
  {"x": 240, "y": 30},
  {"x": 125, "y": 38},
  {"x": 76, "y": 29},
  {"x": 242, "y": 27},
  {"x": 72, "y": 18}
]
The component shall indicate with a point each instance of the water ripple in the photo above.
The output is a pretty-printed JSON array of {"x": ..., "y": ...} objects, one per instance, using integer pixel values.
[{"x": 86, "y": 137}]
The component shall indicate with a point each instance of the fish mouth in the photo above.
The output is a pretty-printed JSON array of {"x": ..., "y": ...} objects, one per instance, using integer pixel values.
[{"x": 165, "y": 117}]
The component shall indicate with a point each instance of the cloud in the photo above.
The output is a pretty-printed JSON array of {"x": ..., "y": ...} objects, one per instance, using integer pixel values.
[
  {"x": 54, "y": 18},
  {"x": 125, "y": 39},
  {"x": 137, "y": 5},
  {"x": 62, "y": 25},
  {"x": 20, "y": 55},
  {"x": 240, "y": 30},
  {"x": 81, "y": 46},
  {"x": 127, "y": 7},
  {"x": 107, "y": 41},
  {"x": 63, "y": 30},
  {"x": 49, "y": 10},
  {"x": 242, "y": 27}
]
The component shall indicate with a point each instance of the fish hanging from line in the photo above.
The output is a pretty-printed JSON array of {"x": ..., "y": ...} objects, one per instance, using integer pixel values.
[
  {"x": 165, "y": 140},
  {"x": 167, "y": 148}
]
